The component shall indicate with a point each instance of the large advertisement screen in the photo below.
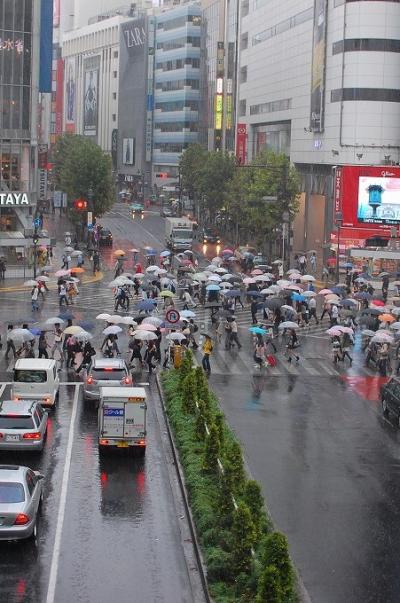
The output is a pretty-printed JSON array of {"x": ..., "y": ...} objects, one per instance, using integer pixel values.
[
  {"x": 91, "y": 96},
  {"x": 378, "y": 200},
  {"x": 368, "y": 196}
]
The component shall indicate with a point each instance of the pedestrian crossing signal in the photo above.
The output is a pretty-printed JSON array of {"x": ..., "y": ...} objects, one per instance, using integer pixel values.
[
  {"x": 80, "y": 204},
  {"x": 35, "y": 239}
]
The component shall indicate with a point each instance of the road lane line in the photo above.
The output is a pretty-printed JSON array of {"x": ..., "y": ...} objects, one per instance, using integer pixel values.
[
  {"x": 2, "y": 388},
  {"x": 51, "y": 590}
]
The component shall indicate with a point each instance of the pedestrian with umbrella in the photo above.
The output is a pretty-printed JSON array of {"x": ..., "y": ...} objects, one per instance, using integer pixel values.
[
  {"x": 259, "y": 352},
  {"x": 150, "y": 356},
  {"x": 87, "y": 353},
  {"x": 253, "y": 310},
  {"x": 34, "y": 298},
  {"x": 234, "y": 333},
  {"x": 42, "y": 345},
  {"x": 58, "y": 342},
  {"x": 207, "y": 350}
]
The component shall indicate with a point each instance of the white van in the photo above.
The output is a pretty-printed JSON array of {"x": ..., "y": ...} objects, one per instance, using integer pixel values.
[{"x": 36, "y": 379}]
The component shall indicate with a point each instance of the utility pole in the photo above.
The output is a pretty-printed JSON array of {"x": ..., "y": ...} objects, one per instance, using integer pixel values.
[
  {"x": 179, "y": 192},
  {"x": 35, "y": 239}
]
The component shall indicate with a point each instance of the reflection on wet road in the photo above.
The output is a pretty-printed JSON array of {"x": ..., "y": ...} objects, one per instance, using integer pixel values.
[{"x": 120, "y": 538}]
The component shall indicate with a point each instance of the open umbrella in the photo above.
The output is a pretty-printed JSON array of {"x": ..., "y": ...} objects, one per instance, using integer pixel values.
[
  {"x": 334, "y": 331},
  {"x": 103, "y": 316},
  {"x": 77, "y": 270},
  {"x": 68, "y": 249},
  {"x": 153, "y": 320},
  {"x": 386, "y": 318},
  {"x": 83, "y": 335},
  {"x": 298, "y": 297},
  {"x": 382, "y": 338},
  {"x": 23, "y": 334},
  {"x": 349, "y": 303},
  {"x": 288, "y": 324},
  {"x": 227, "y": 251},
  {"x": 30, "y": 283},
  {"x": 294, "y": 288},
  {"x": 367, "y": 333},
  {"x": 256, "y": 272},
  {"x": 249, "y": 281},
  {"x": 273, "y": 303},
  {"x": 258, "y": 331},
  {"x": 145, "y": 326},
  {"x": 165, "y": 254},
  {"x": 167, "y": 293},
  {"x": 309, "y": 294},
  {"x": 147, "y": 305},
  {"x": 73, "y": 330},
  {"x": 213, "y": 288},
  {"x": 43, "y": 279},
  {"x": 175, "y": 337},
  {"x": 62, "y": 273},
  {"x": 54, "y": 320},
  {"x": 233, "y": 293},
  {"x": 215, "y": 278},
  {"x": 128, "y": 320},
  {"x": 325, "y": 292},
  {"x": 188, "y": 314},
  {"x": 112, "y": 330},
  {"x": 119, "y": 252},
  {"x": 144, "y": 335},
  {"x": 378, "y": 302}
]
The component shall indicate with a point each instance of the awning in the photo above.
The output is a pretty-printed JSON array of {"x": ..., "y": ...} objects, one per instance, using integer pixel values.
[{"x": 356, "y": 237}]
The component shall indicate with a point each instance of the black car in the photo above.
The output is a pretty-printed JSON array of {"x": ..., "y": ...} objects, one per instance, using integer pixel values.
[
  {"x": 211, "y": 236},
  {"x": 390, "y": 398},
  {"x": 105, "y": 237}
]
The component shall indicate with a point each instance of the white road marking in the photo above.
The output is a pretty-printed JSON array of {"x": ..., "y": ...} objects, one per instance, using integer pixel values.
[
  {"x": 51, "y": 590},
  {"x": 2, "y": 388}
]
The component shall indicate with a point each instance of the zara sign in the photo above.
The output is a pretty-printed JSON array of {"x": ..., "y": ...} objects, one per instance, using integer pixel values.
[{"x": 10, "y": 199}]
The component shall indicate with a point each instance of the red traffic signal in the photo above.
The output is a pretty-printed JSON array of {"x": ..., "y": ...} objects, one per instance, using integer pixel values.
[
  {"x": 162, "y": 175},
  {"x": 80, "y": 204}
]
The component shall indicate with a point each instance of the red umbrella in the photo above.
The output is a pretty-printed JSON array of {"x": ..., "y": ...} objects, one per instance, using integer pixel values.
[
  {"x": 377, "y": 302},
  {"x": 227, "y": 251},
  {"x": 331, "y": 261}
]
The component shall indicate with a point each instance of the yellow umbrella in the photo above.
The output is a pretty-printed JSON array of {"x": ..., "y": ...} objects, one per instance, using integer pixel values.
[
  {"x": 166, "y": 293},
  {"x": 119, "y": 252},
  {"x": 73, "y": 330},
  {"x": 77, "y": 270}
]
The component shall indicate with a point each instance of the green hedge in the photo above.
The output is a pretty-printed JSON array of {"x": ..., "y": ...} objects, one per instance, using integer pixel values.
[{"x": 228, "y": 536}]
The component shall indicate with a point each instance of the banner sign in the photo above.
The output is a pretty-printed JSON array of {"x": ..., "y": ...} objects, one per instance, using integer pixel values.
[
  {"x": 241, "y": 143},
  {"x": 91, "y": 95},
  {"x": 317, "y": 104}
]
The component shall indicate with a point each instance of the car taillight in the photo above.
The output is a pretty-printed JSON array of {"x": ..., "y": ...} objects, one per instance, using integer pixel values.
[
  {"x": 1, "y": 435},
  {"x": 89, "y": 380},
  {"x": 142, "y": 442},
  {"x": 21, "y": 519},
  {"x": 103, "y": 442},
  {"x": 127, "y": 381},
  {"x": 31, "y": 436}
]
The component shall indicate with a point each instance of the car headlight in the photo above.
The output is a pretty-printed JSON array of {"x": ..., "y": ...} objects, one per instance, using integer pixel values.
[{"x": 218, "y": 241}]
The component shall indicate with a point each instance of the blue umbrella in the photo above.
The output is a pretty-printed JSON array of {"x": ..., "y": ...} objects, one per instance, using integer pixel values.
[
  {"x": 348, "y": 303},
  {"x": 258, "y": 330},
  {"x": 233, "y": 293},
  {"x": 364, "y": 275},
  {"x": 254, "y": 294},
  {"x": 147, "y": 304},
  {"x": 363, "y": 295},
  {"x": 165, "y": 254},
  {"x": 337, "y": 290},
  {"x": 213, "y": 288},
  {"x": 298, "y": 297},
  {"x": 35, "y": 331},
  {"x": 86, "y": 325},
  {"x": 346, "y": 265},
  {"x": 150, "y": 252}
]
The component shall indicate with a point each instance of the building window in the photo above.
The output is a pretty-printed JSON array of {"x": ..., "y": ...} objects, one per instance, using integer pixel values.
[
  {"x": 305, "y": 15},
  {"x": 278, "y": 105},
  {"x": 177, "y": 85},
  {"x": 191, "y": 105},
  {"x": 115, "y": 54},
  {"x": 179, "y": 43},
  {"x": 179, "y": 22},
  {"x": 366, "y": 94},
  {"x": 114, "y": 95},
  {"x": 366, "y": 44},
  {"x": 243, "y": 74},
  {"x": 242, "y": 107},
  {"x": 115, "y": 74},
  {"x": 245, "y": 8},
  {"x": 177, "y": 126},
  {"x": 114, "y": 117},
  {"x": 244, "y": 41},
  {"x": 170, "y": 147}
]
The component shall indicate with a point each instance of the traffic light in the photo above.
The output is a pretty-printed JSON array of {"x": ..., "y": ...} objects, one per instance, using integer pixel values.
[
  {"x": 80, "y": 204},
  {"x": 36, "y": 222},
  {"x": 162, "y": 175},
  {"x": 35, "y": 239}
]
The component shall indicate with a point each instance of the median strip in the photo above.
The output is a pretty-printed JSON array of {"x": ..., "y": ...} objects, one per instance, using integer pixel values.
[{"x": 246, "y": 559}]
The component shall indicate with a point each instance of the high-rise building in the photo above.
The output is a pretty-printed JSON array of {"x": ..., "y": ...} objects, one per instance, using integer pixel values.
[
  {"x": 25, "y": 70},
  {"x": 177, "y": 87},
  {"x": 319, "y": 81}
]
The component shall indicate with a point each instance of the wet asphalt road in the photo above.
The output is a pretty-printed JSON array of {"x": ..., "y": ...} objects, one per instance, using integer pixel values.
[
  {"x": 313, "y": 436},
  {"x": 123, "y": 532}
]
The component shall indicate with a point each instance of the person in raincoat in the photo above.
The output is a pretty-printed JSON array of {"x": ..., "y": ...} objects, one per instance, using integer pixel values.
[{"x": 207, "y": 350}]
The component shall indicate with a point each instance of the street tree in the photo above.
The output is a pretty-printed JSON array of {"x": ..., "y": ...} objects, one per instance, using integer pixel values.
[
  {"x": 80, "y": 166},
  {"x": 191, "y": 164},
  {"x": 217, "y": 172}
]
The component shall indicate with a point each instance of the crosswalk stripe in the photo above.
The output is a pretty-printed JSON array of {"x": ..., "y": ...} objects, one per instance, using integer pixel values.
[{"x": 305, "y": 363}]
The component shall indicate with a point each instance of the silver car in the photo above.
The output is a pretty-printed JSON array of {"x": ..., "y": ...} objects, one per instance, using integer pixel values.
[
  {"x": 21, "y": 492},
  {"x": 105, "y": 372},
  {"x": 23, "y": 425}
]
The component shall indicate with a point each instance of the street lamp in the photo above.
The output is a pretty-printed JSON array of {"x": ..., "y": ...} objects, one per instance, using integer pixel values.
[
  {"x": 285, "y": 236},
  {"x": 338, "y": 222}
]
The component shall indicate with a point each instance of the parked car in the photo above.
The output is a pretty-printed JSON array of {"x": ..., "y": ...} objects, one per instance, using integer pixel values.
[
  {"x": 167, "y": 211},
  {"x": 104, "y": 372},
  {"x": 23, "y": 425},
  {"x": 211, "y": 236},
  {"x": 105, "y": 237},
  {"x": 21, "y": 494},
  {"x": 390, "y": 398}
]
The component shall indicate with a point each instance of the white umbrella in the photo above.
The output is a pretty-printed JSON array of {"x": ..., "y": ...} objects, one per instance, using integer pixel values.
[
  {"x": 288, "y": 324},
  {"x": 153, "y": 320},
  {"x": 145, "y": 326},
  {"x": 68, "y": 249},
  {"x": 128, "y": 320},
  {"x": 295, "y": 276},
  {"x": 395, "y": 326},
  {"x": 44, "y": 279},
  {"x": 249, "y": 281},
  {"x": 115, "y": 319},
  {"x": 187, "y": 314},
  {"x": 103, "y": 316},
  {"x": 119, "y": 281},
  {"x": 309, "y": 293},
  {"x": 152, "y": 269},
  {"x": 268, "y": 291},
  {"x": 200, "y": 276},
  {"x": 226, "y": 285},
  {"x": 293, "y": 271},
  {"x": 145, "y": 335},
  {"x": 112, "y": 330},
  {"x": 307, "y": 277},
  {"x": 23, "y": 334},
  {"x": 217, "y": 260},
  {"x": 283, "y": 283},
  {"x": 221, "y": 270},
  {"x": 175, "y": 336},
  {"x": 76, "y": 252},
  {"x": 83, "y": 335},
  {"x": 214, "y": 278},
  {"x": 382, "y": 338},
  {"x": 54, "y": 320}
]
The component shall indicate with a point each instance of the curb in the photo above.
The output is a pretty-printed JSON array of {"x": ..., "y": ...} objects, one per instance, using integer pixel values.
[
  {"x": 85, "y": 281},
  {"x": 179, "y": 472}
]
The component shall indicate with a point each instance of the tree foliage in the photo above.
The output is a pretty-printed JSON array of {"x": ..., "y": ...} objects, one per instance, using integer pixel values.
[
  {"x": 212, "y": 449},
  {"x": 275, "y": 552},
  {"x": 269, "y": 588},
  {"x": 243, "y": 539},
  {"x": 80, "y": 165}
]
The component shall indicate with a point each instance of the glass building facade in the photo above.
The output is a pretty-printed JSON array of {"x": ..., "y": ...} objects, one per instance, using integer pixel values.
[{"x": 177, "y": 86}]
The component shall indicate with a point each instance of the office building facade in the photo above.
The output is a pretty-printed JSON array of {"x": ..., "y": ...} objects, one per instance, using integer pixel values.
[
  {"x": 320, "y": 82},
  {"x": 176, "y": 88}
]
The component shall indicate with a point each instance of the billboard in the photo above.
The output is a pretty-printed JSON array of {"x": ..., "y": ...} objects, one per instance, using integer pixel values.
[
  {"x": 46, "y": 45},
  {"x": 241, "y": 140},
  {"x": 368, "y": 196},
  {"x": 318, "y": 66},
  {"x": 70, "y": 95},
  {"x": 59, "y": 96},
  {"x": 128, "y": 151},
  {"x": 91, "y": 95}
]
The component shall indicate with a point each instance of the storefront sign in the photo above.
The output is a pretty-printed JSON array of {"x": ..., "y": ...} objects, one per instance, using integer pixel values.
[
  {"x": 15, "y": 199},
  {"x": 42, "y": 185},
  {"x": 241, "y": 142},
  {"x": 218, "y": 111},
  {"x": 318, "y": 66}
]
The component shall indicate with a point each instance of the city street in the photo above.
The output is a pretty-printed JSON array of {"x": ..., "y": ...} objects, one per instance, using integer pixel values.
[{"x": 313, "y": 436}]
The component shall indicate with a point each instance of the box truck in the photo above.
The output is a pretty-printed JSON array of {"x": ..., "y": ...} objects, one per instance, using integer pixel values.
[
  {"x": 122, "y": 417},
  {"x": 179, "y": 233}
]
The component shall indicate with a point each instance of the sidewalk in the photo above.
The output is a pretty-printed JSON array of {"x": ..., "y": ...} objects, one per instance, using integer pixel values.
[{"x": 56, "y": 226}]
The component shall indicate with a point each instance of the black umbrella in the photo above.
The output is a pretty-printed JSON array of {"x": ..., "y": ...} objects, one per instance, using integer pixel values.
[
  {"x": 371, "y": 312},
  {"x": 368, "y": 321},
  {"x": 274, "y": 303}
]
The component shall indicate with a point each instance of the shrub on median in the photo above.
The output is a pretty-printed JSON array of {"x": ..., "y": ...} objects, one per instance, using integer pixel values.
[{"x": 246, "y": 560}]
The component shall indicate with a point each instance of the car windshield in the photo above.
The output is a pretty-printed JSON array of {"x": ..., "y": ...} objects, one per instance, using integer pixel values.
[
  {"x": 183, "y": 234},
  {"x": 30, "y": 376},
  {"x": 109, "y": 374},
  {"x": 16, "y": 422},
  {"x": 11, "y": 492}
]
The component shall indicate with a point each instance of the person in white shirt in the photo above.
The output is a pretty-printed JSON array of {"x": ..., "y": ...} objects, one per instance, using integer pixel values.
[
  {"x": 312, "y": 307},
  {"x": 234, "y": 334},
  {"x": 334, "y": 315}
]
